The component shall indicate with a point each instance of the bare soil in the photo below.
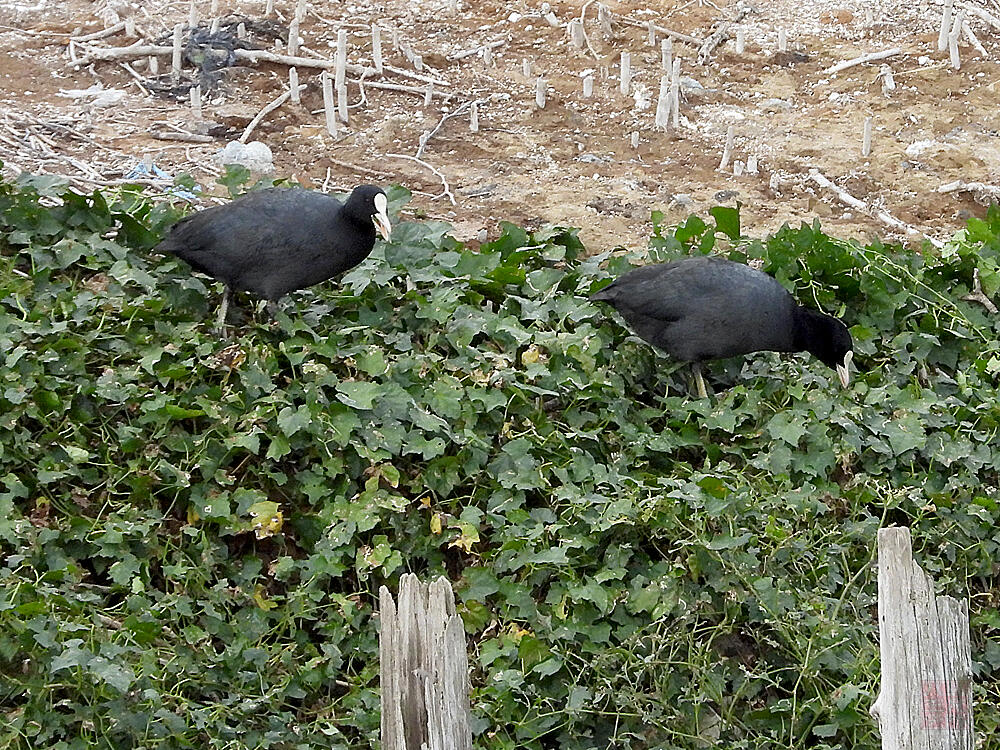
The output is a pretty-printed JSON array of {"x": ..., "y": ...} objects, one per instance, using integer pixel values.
[{"x": 572, "y": 162}]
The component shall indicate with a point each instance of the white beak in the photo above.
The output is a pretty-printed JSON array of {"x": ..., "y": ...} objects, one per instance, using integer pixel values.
[
  {"x": 381, "y": 217},
  {"x": 843, "y": 370}
]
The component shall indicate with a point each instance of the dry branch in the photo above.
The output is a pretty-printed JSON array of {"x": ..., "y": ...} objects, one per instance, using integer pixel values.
[
  {"x": 881, "y": 214},
  {"x": 868, "y": 57},
  {"x": 447, "y": 191},
  {"x": 720, "y": 35},
  {"x": 983, "y": 193},
  {"x": 162, "y": 135},
  {"x": 265, "y": 112},
  {"x": 663, "y": 30},
  {"x": 246, "y": 55}
]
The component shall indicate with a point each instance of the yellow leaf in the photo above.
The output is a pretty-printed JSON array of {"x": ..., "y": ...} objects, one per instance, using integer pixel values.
[
  {"x": 468, "y": 535},
  {"x": 192, "y": 515},
  {"x": 260, "y": 600},
  {"x": 266, "y": 519},
  {"x": 530, "y": 355},
  {"x": 436, "y": 523}
]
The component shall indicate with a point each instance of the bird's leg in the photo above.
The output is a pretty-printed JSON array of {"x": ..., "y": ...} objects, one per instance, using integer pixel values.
[
  {"x": 220, "y": 322},
  {"x": 699, "y": 381}
]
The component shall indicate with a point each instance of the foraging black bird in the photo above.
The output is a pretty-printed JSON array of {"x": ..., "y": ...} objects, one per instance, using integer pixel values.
[
  {"x": 271, "y": 242},
  {"x": 702, "y": 308}
]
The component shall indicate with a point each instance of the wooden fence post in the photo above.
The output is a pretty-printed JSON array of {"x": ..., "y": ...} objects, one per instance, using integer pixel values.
[
  {"x": 424, "y": 668},
  {"x": 925, "y": 701}
]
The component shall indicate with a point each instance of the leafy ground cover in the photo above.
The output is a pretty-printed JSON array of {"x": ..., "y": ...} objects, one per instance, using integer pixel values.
[{"x": 193, "y": 531}]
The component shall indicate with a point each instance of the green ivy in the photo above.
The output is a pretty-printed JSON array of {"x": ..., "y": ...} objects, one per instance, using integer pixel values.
[{"x": 193, "y": 532}]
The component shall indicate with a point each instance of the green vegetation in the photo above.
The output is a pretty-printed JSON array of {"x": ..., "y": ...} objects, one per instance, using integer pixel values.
[{"x": 193, "y": 531}]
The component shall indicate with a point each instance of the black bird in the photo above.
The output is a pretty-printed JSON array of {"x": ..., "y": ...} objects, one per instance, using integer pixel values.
[
  {"x": 271, "y": 242},
  {"x": 704, "y": 307}
]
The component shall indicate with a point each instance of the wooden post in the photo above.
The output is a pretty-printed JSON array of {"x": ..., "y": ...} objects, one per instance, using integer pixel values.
[
  {"x": 945, "y": 26},
  {"x": 626, "y": 73},
  {"x": 329, "y": 105},
  {"x": 376, "y": 48},
  {"x": 340, "y": 68},
  {"x": 423, "y": 668},
  {"x": 925, "y": 701}
]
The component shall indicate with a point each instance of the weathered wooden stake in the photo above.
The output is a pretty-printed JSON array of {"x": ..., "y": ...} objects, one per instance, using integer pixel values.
[
  {"x": 293, "y": 37},
  {"x": 192, "y": 14},
  {"x": 888, "y": 82},
  {"x": 866, "y": 138},
  {"x": 342, "y": 104},
  {"x": 214, "y": 7},
  {"x": 604, "y": 20},
  {"x": 540, "y": 93},
  {"x": 488, "y": 56},
  {"x": 782, "y": 41},
  {"x": 737, "y": 168},
  {"x": 293, "y": 83},
  {"x": 945, "y": 29},
  {"x": 741, "y": 41},
  {"x": 675, "y": 91},
  {"x": 666, "y": 54},
  {"x": 175, "y": 59},
  {"x": 329, "y": 105},
  {"x": 214, "y": 27},
  {"x": 588, "y": 86},
  {"x": 428, "y": 94},
  {"x": 626, "y": 73},
  {"x": 727, "y": 151},
  {"x": 418, "y": 63},
  {"x": 925, "y": 700},
  {"x": 526, "y": 67},
  {"x": 340, "y": 69},
  {"x": 300, "y": 10},
  {"x": 395, "y": 39},
  {"x": 130, "y": 26},
  {"x": 956, "y": 32},
  {"x": 752, "y": 164},
  {"x": 154, "y": 65},
  {"x": 652, "y": 34},
  {"x": 576, "y": 34},
  {"x": 195, "y": 94},
  {"x": 377, "y": 48},
  {"x": 635, "y": 139},
  {"x": 269, "y": 7},
  {"x": 423, "y": 668},
  {"x": 241, "y": 30},
  {"x": 474, "y": 117},
  {"x": 662, "y": 118}
]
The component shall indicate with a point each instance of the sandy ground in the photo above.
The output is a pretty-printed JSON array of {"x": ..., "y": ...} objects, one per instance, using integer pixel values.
[{"x": 571, "y": 162}]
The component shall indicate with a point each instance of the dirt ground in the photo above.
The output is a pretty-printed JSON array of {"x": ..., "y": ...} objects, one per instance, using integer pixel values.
[{"x": 571, "y": 162}]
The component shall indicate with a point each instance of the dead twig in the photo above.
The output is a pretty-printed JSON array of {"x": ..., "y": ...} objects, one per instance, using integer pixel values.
[
  {"x": 881, "y": 214},
  {"x": 720, "y": 35},
  {"x": 162, "y": 135},
  {"x": 977, "y": 295},
  {"x": 663, "y": 30},
  {"x": 447, "y": 191},
  {"x": 869, "y": 57},
  {"x": 464, "y": 107},
  {"x": 268, "y": 108}
]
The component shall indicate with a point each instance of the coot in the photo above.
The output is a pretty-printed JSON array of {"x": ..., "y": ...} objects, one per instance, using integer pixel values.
[
  {"x": 703, "y": 308},
  {"x": 271, "y": 242}
]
